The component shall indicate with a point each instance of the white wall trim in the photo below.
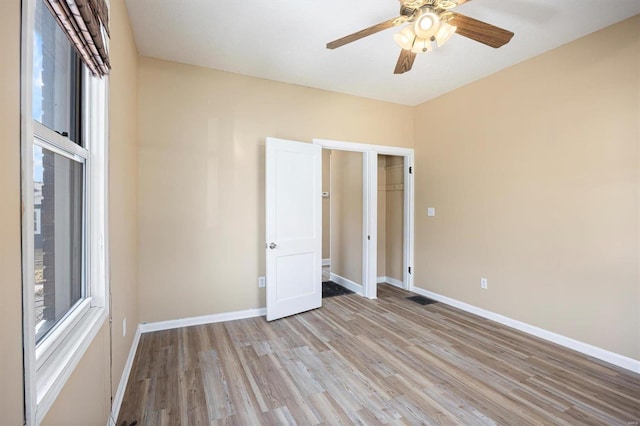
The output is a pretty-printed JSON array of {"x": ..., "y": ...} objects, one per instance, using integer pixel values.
[
  {"x": 394, "y": 282},
  {"x": 369, "y": 223},
  {"x": 347, "y": 283},
  {"x": 409, "y": 221},
  {"x": 124, "y": 379},
  {"x": 326, "y": 262},
  {"x": 584, "y": 348},
  {"x": 148, "y": 327},
  {"x": 363, "y": 147}
]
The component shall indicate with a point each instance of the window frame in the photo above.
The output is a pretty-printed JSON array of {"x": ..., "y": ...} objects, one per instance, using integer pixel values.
[
  {"x": 48, "y": 365},
  {"x": 50, "y": 140}
]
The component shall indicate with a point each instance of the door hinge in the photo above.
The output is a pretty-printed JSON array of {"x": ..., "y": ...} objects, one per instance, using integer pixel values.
[
  {"x": 369, "y": 237},
  {"x": 411, "y": 170},
  {"x": 409, "y": 269}
]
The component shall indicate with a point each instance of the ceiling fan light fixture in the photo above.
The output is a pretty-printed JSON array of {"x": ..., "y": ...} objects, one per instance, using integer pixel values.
[
  {"x": 405, "y": 38},
  {"x": 444, "y": 33},
  {"x": 421, "y": 45},
  {"x": 427, "y": 24}
]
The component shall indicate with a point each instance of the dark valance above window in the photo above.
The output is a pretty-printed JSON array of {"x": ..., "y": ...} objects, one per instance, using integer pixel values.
[{"x": 86, "y": 23}]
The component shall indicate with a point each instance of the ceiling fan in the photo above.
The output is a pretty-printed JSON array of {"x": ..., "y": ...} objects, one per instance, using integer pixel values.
[{"x": 429, "y": 21}]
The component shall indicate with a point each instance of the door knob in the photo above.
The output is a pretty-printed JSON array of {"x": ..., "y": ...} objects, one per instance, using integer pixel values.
[{"x": 272, "y": 246}]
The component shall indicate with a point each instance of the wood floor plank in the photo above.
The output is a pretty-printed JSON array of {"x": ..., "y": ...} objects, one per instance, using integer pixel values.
[
  {"x": 358, "y": 361},
  {"x": 215, "y": 386},
  {"x": 242, "y": 398},
  {"x": 300, "y": 375},
  {"x": 611, "y": 392},
  {"x": 416, "y": 405},
  {"x": 192, "y": 404},
  {"x": 328, "y": 410},
  {"x": 302, "y": 336},
  {"x": 481, "y": 397}
]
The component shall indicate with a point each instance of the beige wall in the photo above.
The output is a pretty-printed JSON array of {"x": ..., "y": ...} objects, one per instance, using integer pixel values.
[
  {"x": 86, "y": 397},
  {"x": 394, "y": 218},
  {"x": 11, "y": 399},
  {"x": 534, "y": 174},
  {"x": 123, "y": 194},
  {"x": 346, "y": 215},
  {"x": 326, "y": 204},
  {"x": 201, "y": 175},
  {"x": 85, "y": 400}
]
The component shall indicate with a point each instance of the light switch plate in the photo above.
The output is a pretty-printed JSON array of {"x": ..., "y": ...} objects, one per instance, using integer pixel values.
[{"x": 431, "y": 211}]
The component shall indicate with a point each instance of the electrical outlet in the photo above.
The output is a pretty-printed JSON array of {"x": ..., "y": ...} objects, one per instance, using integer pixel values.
[
  {"x": 484, "y": 283},
  {"x": 124, "y": 327},
  {"x": 261, "y": 282}
]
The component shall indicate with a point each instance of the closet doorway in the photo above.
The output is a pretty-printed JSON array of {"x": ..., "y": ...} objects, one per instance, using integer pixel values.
[
  {"x": 362, "y": 170},
  {"x": 390, "y": 262},
  {"x": 342, "y": 212}
]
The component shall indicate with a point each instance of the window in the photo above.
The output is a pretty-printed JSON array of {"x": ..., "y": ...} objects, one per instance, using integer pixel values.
[
  {"x": 64, "y": 155},
  {"x": 58, "y": 257},
  {"x": 58, "y": 174},
  {"x": 57, "y": 77}
]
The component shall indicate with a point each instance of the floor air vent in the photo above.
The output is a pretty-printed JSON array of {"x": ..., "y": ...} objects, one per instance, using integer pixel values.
[{"x": 422, "y": 300}]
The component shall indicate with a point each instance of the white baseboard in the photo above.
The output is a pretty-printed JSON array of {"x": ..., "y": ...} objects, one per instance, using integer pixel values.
[
  {"x": 204, "y": 319},
  {"x": 585, "y": 348},
  {"x": 346, "y": 283},
  {"x": 124, "y": 378},
  {"x": 326, "y": 262},
  {"x": 392, "y": 281}
]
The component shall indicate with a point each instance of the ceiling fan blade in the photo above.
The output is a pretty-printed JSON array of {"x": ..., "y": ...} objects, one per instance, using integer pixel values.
[
  {"x": 405, "y": 61},
  {"x": 363, "y": 33},
  {"x": 480, "y": 31}
]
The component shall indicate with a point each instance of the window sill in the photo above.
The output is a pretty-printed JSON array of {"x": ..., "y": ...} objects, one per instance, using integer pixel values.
[
  {"x": 59, "y": 333},
  {"x": 54, "y": 372}
]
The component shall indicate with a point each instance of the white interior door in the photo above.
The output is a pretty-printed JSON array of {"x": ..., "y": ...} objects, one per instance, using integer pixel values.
[{"x": 294, "y": 227}]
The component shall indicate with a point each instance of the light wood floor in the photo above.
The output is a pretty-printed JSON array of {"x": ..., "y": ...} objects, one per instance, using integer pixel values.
[{"x": 357, "y": 361}]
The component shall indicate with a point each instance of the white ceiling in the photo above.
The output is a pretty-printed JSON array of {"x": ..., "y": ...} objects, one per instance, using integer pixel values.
[{"x": 284, "y": 40}]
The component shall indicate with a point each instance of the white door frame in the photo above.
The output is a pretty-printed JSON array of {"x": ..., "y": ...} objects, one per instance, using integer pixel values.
[{"x": 370, "y": 208}]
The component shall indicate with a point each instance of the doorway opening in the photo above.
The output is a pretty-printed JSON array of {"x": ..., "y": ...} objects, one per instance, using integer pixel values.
[
  {"x": 352, "y": 244},
  {"x": 342, "y": 208},
  {"x": 390, "y": 263}
]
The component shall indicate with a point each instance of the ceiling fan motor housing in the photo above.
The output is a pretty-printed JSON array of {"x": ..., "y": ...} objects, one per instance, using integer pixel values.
[{"x": 409, "y": 12}]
